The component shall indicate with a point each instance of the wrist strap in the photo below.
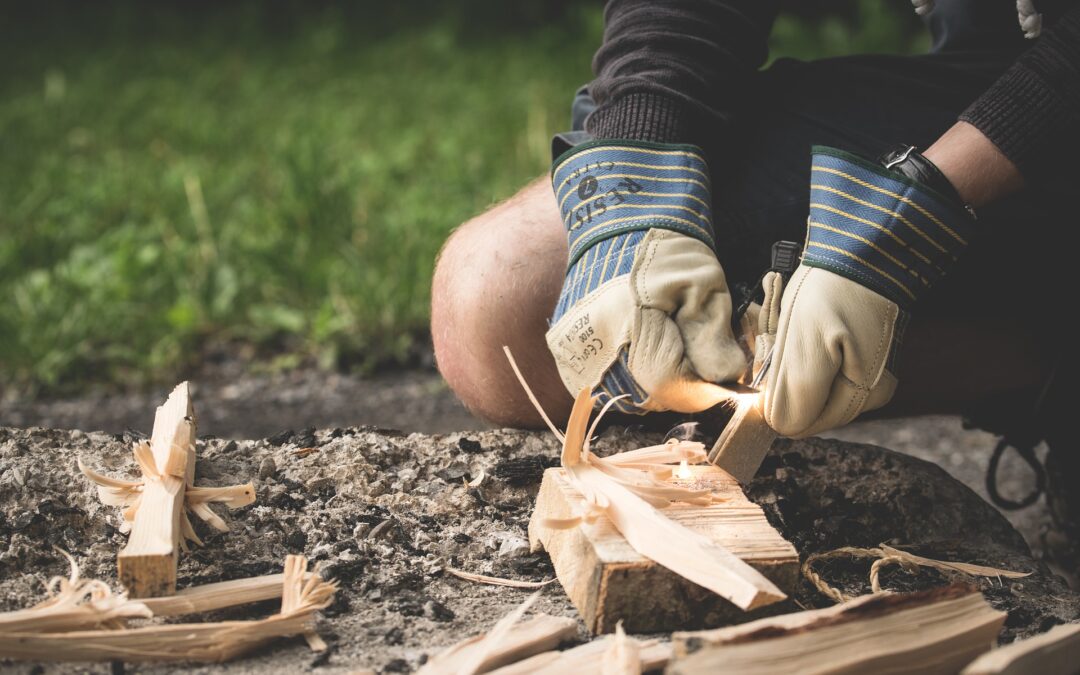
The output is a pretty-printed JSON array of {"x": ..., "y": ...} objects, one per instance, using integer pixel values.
[{"x": 908, "y": 161}]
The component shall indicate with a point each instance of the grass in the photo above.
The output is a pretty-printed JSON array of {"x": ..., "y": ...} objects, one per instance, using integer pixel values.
[{"x": 171, "y": 182}]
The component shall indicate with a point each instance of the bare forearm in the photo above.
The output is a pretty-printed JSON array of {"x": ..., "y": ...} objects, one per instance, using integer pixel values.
[{"x": 979, "y": 171}]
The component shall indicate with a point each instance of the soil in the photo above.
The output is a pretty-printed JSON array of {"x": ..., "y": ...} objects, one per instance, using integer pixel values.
[
  {"x": 234, "y": 403},
  {"x": 384, "y": 511}
]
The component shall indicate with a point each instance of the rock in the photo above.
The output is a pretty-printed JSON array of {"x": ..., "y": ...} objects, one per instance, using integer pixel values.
[
  {"x": 836, "y": 494},
  {"x": 296, "y": 541},
  {"x": 436, "y": 611},
  {"x": 305, "y": 439},
  {"x": 267, "y": 468},
  {"x": 406, "y": 480},
  {"x": 469, "y": 445},
  {"x": 453, "y": 473},
  {"x": 509, "y": 545},
  {"x": 280, "y": 438}
]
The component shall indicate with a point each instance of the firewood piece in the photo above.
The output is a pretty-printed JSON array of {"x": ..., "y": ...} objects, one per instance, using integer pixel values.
[
  {"x": 743, "y": 443},
  {"x": 218, "y": 595},
  {"x": 936, "y": 631},
  {"x": 303, "y": 594},
  {"x": 587, "y": 658},
  {"x": 672, "y": 545},
  {"x": 607, "y": 580},
  {"x": 76, "y": 603},
  {"x": 1056, "y": 652},
  {"x": 538, "y": 634},
  {"x": 147, "y": 565}
]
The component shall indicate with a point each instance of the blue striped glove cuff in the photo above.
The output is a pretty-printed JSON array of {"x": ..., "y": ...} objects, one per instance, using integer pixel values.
[
  {"x": 608, "y": 188},
  {"x": 880, "y": 229}
]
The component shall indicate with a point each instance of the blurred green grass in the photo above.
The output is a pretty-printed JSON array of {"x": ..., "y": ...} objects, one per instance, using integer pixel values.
[{"x": 282, "y": 184}]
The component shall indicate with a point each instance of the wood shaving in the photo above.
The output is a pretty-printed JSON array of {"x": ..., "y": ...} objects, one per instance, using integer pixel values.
[
  {"x": 74, "y": 603},
  {"x": 302, "y": 593},
  {"x": 496, "y": 581},
  {"x": 127, "y": 495}
]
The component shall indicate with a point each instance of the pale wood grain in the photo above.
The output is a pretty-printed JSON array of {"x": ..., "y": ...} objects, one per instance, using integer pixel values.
[
  {"x": 532, "y": 636},
  {"x": 608, "y": 580},
  {"x": 1056, "y": 652},
  {"x": 894, "y": 633},
  {"x": 743, "y": 443},
  {"x": 147, "y": 564}
]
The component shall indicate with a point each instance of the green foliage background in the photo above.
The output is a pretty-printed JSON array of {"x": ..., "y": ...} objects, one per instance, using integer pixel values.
[{"x": 279, "y": 176}]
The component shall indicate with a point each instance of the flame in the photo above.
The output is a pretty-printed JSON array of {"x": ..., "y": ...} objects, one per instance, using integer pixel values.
[{"x": 684, "y": 472}]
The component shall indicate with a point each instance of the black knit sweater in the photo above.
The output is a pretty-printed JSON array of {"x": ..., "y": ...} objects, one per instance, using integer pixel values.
[{"x": 667, "y": 71}]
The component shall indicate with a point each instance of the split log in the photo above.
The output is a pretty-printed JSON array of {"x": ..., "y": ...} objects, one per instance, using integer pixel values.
[
  {"x": 147, "y": 565},
  {"x": 932, "y": 632},
  {"x": 1056, "y": 652},
  {"x": 607, "y": 580},
  {"x": 743, "y": 443}
]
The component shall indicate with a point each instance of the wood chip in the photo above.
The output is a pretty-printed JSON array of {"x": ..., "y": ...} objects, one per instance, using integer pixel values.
[
  {"x": 587, "y": 658},
  {"x": 623, "y": 655},
  {"x": 507, "y": 642},
  {"x": 745, "y": 440}
]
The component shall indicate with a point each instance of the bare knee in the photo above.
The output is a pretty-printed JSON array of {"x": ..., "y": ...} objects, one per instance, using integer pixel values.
[{"x": 496, "y": 282}]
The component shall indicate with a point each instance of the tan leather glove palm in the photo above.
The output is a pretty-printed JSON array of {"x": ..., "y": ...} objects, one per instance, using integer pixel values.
[
  {"x": 833, "y": 345},
  {"x": 644, "y": 311},
  {"x": 876, "y": 241},
  {"x": 664, "y": 329}
]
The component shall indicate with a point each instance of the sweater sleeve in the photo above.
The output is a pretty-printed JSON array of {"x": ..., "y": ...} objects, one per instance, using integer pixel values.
[
  {"x": 675, "y": 71},
  {"x": 1032, "y": 112}
]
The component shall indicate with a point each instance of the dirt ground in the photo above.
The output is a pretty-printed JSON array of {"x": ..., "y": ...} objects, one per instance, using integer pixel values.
[
  {"x": 384, "y": 511},
  {"x": 236, "y": 405}
]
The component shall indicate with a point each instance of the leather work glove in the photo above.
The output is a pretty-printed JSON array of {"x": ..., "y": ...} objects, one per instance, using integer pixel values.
[
  {"x": 645, "y": 308},
  {"x": 877, "y": 240}
]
